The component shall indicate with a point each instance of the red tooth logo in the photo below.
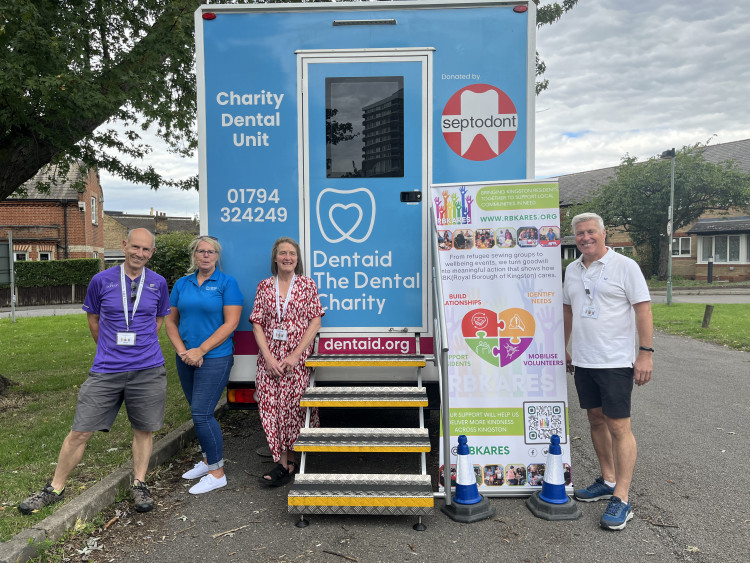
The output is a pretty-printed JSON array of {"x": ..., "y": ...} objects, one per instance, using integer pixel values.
[{"x": 479, "y": 122}]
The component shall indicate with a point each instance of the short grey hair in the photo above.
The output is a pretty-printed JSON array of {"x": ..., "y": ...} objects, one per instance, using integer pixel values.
[{"x": 583, "y": 217}]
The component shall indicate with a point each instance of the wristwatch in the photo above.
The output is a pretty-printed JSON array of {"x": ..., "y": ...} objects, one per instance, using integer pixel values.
[{"x": 645, "y": 348}]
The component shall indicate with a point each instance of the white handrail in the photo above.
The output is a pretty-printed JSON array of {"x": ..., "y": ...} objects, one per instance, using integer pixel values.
[{"x": 440, "y": 331}]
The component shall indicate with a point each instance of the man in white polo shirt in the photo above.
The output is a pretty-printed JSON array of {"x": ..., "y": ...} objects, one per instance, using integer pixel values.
[{"x": 605, "y": 300}]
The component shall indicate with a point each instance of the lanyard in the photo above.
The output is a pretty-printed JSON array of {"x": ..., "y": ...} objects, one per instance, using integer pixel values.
[
  {"x": 590, "y": 293},
  {"x": 281, "y": 313},
  {"x": 125, "y": 297}
]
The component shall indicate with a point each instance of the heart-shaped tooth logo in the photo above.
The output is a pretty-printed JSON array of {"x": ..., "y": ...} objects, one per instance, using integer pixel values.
[
  {"x": 347, "y": 216},
  {"x": 344, "y": 209},
  {"x": 498, "y": 338}
]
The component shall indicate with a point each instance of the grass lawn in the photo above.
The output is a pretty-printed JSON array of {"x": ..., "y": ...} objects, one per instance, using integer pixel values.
[
  {"x": 730, "y": 323},
  {"x": 48, "y": 358}
]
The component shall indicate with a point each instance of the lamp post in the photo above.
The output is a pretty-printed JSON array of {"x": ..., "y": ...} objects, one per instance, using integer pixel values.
[{"x": 671, "y": 155}]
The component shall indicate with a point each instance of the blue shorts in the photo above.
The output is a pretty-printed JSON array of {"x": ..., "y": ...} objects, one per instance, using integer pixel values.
[
  {"x": 609, "y": 388},
  {"x": 144, "y": 393}
]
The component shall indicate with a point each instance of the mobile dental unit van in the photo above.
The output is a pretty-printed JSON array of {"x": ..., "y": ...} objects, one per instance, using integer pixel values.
[{"x": 328, "y": 123}]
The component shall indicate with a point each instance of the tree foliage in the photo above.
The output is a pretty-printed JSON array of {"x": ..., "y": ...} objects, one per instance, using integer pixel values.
[
  {"x": 637, "y": 199},
  {"x": 71, "y": 69},
  {"x": 71, "y": 66},
  {"x": 171, "y": 258}
]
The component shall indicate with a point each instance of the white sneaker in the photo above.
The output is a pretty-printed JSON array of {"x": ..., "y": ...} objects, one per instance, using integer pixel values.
[
  {"x": 208, "y": 483},
  {"x": 199, "y": 470}
]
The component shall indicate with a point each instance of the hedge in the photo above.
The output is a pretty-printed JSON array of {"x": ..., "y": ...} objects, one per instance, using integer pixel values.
[{"x": 77, "y": 271}]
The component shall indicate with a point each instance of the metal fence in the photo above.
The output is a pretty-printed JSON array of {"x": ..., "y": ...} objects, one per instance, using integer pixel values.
[{"x": 37, "y": 296}]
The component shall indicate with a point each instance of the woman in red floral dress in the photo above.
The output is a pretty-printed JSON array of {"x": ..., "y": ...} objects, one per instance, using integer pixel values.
[{"x": 286, "y": 317}]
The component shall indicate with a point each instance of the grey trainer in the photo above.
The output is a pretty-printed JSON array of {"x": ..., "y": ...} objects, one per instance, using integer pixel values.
[
  {"x": 41, "y": 499},
  {"x": 142, "y": 499}
]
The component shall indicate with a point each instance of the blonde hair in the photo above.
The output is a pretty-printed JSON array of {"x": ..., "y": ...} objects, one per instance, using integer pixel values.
[
  {"x": 299, "y": 269},
  {"x": 213, "y": 241}
]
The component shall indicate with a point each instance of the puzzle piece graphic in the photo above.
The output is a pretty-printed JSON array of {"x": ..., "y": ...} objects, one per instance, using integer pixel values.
[{"x": 498, "y": 338}]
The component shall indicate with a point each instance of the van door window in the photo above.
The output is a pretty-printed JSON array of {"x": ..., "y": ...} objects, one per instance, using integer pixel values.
[{"x": 365, "y": 127}]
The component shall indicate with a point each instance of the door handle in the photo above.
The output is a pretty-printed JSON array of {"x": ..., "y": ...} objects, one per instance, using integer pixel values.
[{"x": 411, "y": 197}]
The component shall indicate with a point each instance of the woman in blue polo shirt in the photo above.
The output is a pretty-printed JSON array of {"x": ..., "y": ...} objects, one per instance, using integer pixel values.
[{"x": 206, "y": 308}]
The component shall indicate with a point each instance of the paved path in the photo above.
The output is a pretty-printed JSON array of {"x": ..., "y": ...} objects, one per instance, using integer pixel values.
[{"x": 42, "y": 311}]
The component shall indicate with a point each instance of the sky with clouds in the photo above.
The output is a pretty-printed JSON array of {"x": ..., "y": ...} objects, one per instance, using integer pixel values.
[{"x": 626, "y": 77}]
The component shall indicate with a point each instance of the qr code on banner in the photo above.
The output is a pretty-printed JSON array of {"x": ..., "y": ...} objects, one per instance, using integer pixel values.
[{"x": 543, "y": 419}]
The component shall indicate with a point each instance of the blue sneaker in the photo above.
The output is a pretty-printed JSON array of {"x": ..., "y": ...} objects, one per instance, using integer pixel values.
[
  {"x": 598, "y": 490},
  {"x": 617, "y": 514}
]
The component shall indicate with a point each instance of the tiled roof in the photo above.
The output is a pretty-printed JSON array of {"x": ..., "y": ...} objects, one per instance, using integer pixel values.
[
  {"x": 720, "y": 226},
  {"x": 577, "y": 187},
  {"x": 61, "y": 188},
  {"x": 174, "y": 224}
]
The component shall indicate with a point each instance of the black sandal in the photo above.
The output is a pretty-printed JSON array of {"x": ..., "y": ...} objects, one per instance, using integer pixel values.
[
  {"x": 292, "y": 467},
  {"x": 278, "y": 476}
]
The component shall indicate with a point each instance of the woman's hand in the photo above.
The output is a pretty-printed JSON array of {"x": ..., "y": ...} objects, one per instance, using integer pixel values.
[
  {"x": 193, "y": 357},
  {"x": 273, "y": 366},
  {"x": 290, "y": 362}
]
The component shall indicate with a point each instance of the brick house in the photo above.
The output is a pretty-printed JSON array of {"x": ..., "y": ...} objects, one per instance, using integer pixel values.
[
  {"x": 117, "y": 224},
  {"x": 724, "y": 236},
  {"x": 64, "y": 223}
]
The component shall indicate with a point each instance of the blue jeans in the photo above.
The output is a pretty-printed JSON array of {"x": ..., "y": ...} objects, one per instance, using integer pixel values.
[{"x": 203, "y": 387}]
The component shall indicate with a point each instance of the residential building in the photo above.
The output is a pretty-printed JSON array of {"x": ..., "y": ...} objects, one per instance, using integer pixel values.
[
  {"x": 117, "y": 224},
  {"x": 722, "y": 236},
  {"x": 65, "y": 222}
]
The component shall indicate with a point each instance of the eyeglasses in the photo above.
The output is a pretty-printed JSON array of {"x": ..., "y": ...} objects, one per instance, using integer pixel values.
[
  {"x": 133, "y": 292},
  {"x": 206, "y": 252}
]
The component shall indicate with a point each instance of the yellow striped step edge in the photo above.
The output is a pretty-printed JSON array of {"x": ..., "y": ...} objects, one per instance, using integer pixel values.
[
  {"x": 361, "y": 494},
  {"x": 363, "y": 440},
  {"x": 365, "y": 397},
  {"x": 353, "y": 360}
]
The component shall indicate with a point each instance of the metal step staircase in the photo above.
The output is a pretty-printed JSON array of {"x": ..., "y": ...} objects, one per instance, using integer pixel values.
[{"x": 360, "y": 491}]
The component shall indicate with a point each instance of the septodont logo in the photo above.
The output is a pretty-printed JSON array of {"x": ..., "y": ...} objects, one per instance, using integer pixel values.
[
  {"x": 479, "y": 122},
  {"x": 346, "y": 214}
]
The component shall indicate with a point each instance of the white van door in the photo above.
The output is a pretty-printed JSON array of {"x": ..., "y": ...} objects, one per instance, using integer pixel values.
[{"x": 365, "y": 131}]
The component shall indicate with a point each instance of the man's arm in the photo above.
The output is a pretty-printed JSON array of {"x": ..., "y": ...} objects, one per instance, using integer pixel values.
[
  {"x": 159, "y": 322},
  {"x": 567, "y": 329},
  {"x": 644, "y": 364},
  {"x": 93, "y": 326}
]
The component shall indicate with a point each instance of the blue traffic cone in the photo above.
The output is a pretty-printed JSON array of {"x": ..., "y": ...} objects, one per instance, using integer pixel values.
[
  {"x": 467, "y": 491},
  {"x": 552, "y": 503},
  {"x": 468, "y": 505},
  {"x": 553, "y": 485}
]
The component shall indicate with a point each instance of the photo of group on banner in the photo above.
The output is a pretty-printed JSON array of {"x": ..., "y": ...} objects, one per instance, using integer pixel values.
[
  {"x": 504, "y": 237},
  {"x": 494, "y": 475}
]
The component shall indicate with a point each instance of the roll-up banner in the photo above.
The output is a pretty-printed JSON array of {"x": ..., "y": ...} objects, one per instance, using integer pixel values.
[{"x": 502, "y": 284}]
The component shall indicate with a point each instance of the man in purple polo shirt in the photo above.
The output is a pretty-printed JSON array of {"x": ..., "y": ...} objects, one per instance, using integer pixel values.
[{"x": 126, "y": 306}]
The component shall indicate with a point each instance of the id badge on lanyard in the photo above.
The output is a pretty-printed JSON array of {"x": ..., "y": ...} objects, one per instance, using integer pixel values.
[
  {"x": 127, "y": 338},
  {"x": 281, "y": 333}
]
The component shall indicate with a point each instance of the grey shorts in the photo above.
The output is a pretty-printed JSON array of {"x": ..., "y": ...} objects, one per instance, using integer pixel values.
[{"x": 144, "y": 393}]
